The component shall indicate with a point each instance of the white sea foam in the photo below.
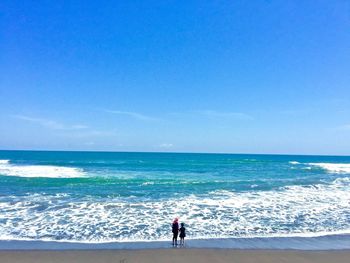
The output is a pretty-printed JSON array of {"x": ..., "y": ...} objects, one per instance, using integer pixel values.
[
  {"x": 306, "y": 168},
  {"x": 334, "y": 167},
  {"x": 294, "y": 162},
  {"x": 50, "y": 171},
  {"x": 289, "y": 211}
]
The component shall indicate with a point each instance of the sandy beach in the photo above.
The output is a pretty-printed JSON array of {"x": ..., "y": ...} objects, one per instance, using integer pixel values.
[{"x": 174, "y": 255}]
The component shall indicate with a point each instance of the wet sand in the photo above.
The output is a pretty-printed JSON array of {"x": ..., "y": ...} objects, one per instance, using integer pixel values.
[{"x": 180, "y": 255}]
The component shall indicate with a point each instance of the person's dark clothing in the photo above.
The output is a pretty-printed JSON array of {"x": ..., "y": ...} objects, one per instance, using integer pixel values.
[
  {"x": 175, "y": 229},
  {"x": 182, "y": 232}
]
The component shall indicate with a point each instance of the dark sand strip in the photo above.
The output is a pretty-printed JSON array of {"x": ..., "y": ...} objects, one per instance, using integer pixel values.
[{"x": 175, "y": 255}]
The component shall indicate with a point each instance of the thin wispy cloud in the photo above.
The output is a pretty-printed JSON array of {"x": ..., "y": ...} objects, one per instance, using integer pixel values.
[
  {"x": 296, "y": 112},
  {"x": 220, "y": 114},
  {"x": 74, "y": 130},
  {"x": 51, "y": 124},
  {"x": 89, "y": 133},
  {"x": 166, "y": 145},
  {"x": 345, "y": 127},
  {"x": 134, "y": 115}
]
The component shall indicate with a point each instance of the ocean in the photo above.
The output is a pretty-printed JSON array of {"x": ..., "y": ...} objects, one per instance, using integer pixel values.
[{"x": 129, "y": 197}]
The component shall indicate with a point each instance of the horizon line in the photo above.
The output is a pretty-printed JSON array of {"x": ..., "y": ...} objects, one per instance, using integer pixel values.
[{"x": 174, "y": 152}]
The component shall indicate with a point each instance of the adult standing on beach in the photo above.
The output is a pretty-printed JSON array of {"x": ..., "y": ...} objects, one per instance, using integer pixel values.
[{"x": 175, "y": 229}]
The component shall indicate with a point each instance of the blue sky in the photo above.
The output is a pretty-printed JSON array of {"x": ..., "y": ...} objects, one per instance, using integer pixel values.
[{"x": 183, "y": 76}]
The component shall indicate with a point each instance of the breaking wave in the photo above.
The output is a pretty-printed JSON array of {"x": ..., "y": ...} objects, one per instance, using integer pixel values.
[
  {"x": 294, "y": 162},
  {"x": 289, "y": 211},
  {"x": 333, "y": 167},
  {"x": 49, "y": 171}
]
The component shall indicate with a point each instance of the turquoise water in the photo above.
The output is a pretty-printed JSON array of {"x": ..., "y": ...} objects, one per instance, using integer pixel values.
[{"x": 106, "y": 197}]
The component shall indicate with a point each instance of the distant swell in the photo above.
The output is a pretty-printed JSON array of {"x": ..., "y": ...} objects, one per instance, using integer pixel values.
[{"x": 49, "y": 171}]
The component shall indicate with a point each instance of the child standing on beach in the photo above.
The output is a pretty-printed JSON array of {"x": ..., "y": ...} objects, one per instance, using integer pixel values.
[{"x": 182, "y": 234}]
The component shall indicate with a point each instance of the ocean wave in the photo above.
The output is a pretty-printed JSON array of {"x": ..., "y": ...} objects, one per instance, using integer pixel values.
[
  {"x": 49, "y": 171},
  {"x": 309, "y": 210},
  {"x": 333, "y": 167},
  {"x": 294, "y": 162}
]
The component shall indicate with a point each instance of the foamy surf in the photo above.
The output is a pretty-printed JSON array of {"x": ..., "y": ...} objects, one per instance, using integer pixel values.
[
  {"x": 290, "y": 211},
  {"x": 294, "y": 162},
  {"x": 48, "y": 171},
  {"x": 333, "y": 167}
]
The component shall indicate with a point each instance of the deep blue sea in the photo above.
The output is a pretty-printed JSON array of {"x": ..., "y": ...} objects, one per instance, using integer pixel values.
[{"x": 99, "y": 197}]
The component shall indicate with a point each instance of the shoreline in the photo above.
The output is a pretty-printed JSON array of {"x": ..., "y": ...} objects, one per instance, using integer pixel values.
[
  {"x": 175, "y": 255},
  {"x": 330, "y": 242}
]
